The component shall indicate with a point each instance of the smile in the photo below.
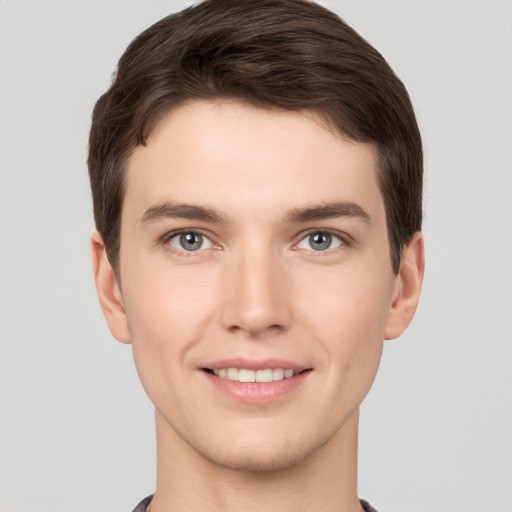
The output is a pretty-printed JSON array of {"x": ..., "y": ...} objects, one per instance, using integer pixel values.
[
  {"x": 247, "y": 375},
  {"x": 252, "y": 381}
]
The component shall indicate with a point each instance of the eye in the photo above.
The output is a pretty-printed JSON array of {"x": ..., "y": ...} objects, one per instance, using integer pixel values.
[
  {"x": 190, "y": 241},
  {"x": 320, "y": 241}
]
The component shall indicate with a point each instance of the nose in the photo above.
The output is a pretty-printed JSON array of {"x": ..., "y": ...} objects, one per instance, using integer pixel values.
[{"x": 257, "y": 294}]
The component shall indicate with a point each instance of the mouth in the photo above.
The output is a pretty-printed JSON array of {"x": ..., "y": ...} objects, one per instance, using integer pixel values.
[
  {"x": 261, "y": 381},
  {"x": 261, "y": 375}
]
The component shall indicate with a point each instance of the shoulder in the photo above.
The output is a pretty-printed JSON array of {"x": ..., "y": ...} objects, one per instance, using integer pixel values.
[
  {"x": 366, "y": 506},
  {"x": 141, "y": 507}
]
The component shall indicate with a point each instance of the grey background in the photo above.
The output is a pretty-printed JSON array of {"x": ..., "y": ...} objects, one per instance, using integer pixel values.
[{"x": 76, "y": 430}]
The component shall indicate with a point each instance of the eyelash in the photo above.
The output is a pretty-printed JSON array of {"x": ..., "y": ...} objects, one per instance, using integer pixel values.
[
  {"x": 166, "y": 239},
  {"x": 344, "y": 241}
]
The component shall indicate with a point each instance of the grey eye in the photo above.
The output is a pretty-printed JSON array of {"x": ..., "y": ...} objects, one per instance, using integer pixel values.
[
  {"x": 190, "y": 241},
  {"x": 320, "y": 241}
]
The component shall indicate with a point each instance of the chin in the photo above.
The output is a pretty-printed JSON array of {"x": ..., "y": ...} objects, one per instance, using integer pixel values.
[
  {"x": 256, "y": 461},
  {"x": 266, "y": 455}
]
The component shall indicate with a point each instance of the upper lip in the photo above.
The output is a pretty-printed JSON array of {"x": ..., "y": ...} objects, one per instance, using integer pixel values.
[{"x": 255, "y": 364}]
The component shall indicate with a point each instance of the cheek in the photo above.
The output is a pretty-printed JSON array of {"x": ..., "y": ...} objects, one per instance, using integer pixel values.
[
  {"x": 159, "y": 296},
  {"x": 168, "y": 311},
  {"x": 346, "y": 302},
  {"x": 346, "y": 314},
  {"x": 350, "y": 329},
  {"x": 167, "y": 316}
]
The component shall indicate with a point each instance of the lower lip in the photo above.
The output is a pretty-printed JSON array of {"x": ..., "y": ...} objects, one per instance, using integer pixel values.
[{"x": 257, "y": 392}]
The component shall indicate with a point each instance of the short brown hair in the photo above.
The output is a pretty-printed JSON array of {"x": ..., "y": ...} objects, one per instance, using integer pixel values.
[{"x": 289, "y": 54}]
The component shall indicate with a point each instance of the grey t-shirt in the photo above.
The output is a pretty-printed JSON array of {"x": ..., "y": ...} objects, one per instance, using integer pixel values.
[{"x": 141, "y": 507}]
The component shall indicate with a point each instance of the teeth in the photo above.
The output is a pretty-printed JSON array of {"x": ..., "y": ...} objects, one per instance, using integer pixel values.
[
  {"x": 264, "y": 375},
  {"x": 277, "y": 374},
  {"x": 245, "y": 375},
  {"x": 232, "y": 373}
]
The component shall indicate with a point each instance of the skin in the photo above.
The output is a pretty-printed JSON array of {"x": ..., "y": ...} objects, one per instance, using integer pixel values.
[{"x": 258, "y": 288}]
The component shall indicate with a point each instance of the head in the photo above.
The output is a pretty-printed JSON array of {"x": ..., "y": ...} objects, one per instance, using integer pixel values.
[
  {"x": 256, "y": 173},
  {"x": 290, "y": 54}
]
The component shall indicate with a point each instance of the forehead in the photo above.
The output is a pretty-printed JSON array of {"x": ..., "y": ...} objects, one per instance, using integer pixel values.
[{"x": 235, "y": 157}]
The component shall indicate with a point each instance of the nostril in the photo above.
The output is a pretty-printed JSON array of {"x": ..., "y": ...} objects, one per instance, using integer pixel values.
[{"x": 255, "y": 331}]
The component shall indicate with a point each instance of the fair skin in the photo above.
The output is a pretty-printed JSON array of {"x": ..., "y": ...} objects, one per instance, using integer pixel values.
[{"x": 255, "y": 239}]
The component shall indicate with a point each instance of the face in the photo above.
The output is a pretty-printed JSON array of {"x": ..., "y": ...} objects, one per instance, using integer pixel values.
[{"x": 256, "y": 282}]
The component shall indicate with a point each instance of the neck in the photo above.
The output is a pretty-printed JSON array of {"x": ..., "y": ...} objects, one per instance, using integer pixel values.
[{"x": 325, "y": 480}]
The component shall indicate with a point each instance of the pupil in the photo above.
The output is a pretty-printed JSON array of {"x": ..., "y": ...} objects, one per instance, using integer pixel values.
[
  {"x": 191, "y": 241},
  {"x": 320, "y": 241}
]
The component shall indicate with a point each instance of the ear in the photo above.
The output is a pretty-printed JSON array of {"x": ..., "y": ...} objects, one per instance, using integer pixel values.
[
  {"x": 407, "y": 287},
  {"x": 109, "y": 293}
]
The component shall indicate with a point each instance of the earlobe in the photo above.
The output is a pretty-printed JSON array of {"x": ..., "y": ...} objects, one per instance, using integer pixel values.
[
  {"x": 407, "y": 287},
  {"x": 109, "y": 293}
]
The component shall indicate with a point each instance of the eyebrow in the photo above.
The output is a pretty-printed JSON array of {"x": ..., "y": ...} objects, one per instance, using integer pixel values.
[
  {"x": 181, "y": 211},
  {"x": 313, "y": 212},
  {"x": 328, "y": 211}
]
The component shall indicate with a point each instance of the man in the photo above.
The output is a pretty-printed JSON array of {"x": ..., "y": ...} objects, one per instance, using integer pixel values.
[{"x": 256, "y": 170}]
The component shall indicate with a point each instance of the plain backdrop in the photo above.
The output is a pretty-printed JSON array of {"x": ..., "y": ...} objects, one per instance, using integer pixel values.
[{"x": 76, "y": 430}]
